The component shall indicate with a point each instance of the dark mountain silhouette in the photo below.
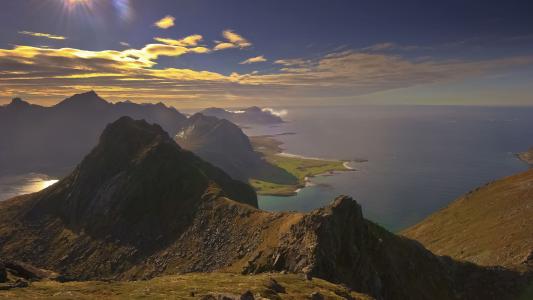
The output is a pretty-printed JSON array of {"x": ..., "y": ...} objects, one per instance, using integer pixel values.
[
  {"x": 250, "y": 115},
  {"x": 225, "y": 145},
  {"x": 139, "y": 206},
  {"x": 53, "y": 139}
]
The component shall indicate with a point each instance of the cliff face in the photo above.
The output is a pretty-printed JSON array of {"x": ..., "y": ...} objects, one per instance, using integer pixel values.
[
  {"x": 139, "y": 206},
  {"x": 491, "y": 225},
  {"x": 338, "y": 244}
]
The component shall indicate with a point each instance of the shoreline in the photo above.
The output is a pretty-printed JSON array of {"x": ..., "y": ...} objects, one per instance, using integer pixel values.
[{"x": 302, "y": 167}]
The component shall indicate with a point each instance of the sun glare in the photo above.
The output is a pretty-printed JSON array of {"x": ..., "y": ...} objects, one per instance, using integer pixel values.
[{"x": 72, "y": 4}]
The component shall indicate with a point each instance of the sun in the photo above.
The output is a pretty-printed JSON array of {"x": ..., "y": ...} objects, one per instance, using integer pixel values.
[{"x": 71, "y": 4}]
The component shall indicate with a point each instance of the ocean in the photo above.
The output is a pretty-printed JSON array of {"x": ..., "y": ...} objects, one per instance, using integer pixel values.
[{"x": 420, "y": 158}]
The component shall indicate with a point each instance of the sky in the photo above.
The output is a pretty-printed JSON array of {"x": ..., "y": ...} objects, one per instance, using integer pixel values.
[{"x": 228, "y": 53}]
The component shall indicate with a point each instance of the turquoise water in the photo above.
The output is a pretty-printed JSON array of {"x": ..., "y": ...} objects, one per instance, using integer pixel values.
[{"x": 420, "y": 158}]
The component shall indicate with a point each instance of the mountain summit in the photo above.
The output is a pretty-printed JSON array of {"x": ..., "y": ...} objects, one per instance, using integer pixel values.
[{"x": 137, "y": 181}]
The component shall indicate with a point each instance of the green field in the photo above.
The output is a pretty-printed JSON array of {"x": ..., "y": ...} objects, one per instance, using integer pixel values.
[{"x": 299, "y": 167}]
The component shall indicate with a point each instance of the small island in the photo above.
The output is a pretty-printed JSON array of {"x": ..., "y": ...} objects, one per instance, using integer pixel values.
[
  {"x": 526, "y": 157},
  {"x": 302, "y": 168}
]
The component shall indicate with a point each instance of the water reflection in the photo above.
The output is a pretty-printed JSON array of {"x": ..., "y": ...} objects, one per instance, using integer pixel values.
[{"x": 11, "y": 186}]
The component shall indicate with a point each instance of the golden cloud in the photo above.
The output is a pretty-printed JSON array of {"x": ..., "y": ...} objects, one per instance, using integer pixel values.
[
  {"x": 252, "y": 60},
  {"x": 166, "y": 22},
  {"x": 132, "y": 73},
  {"x": 44, "y": 35},
  {"x": 233, "y": 40},
  {"x": 189, "y": 41}
]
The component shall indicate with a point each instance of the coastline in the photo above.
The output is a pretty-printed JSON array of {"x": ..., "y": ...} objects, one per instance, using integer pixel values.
[
  {"x": 303, "y": 168},
  {"x": 526, "y": 156}
]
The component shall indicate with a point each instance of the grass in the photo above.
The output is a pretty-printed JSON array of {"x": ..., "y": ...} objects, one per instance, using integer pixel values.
[
  {"x": 300, "y": 167},
  {"x": 184, "y": 287},
  {"x": 491, "y": 225}
]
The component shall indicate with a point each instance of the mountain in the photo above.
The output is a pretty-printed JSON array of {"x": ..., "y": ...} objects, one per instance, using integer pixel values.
[
  {"x": 138, "y": 206},
  {"x": 225, "y": 145},
  {"x": 134, "y": 193},
  {"x": 247, "y": 116},
  {"x": 53, "y": 139},
  {"x": 491, "y": 225}
]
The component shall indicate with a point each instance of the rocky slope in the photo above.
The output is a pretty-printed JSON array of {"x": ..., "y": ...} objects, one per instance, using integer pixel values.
[
  {"x": 491, "y": 225},
  {"x": 247, "y": 116},
  {"x": 63, "y": 133},
  {"x": 139, "y": 206},
  {"x": 225, "y": 145}
]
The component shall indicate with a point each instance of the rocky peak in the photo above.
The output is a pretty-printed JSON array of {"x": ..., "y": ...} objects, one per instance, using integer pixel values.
[
  {"x": 137, "y": 182},
  {"x": 18, "y": 103},
  {"x": 84, "y": 100}
]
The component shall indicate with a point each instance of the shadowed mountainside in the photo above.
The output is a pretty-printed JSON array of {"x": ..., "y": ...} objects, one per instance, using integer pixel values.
[
  {"x": 225, "y": 145},
  {"x": 139, "y": 206},
  {"x": 53, "y": 139},
  {"x": 491, "y": 225}
]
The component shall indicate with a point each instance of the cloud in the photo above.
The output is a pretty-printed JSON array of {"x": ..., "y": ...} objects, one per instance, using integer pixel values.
[
  {"x": 279, "y": 113},
  {"x": 291, "y": 62},
  {"x": 223, "y": 46},
  {"x": 233, "y": 40},
  {"x": 166, "y": 22},
  {"x": 352, "y": 73},
  {"x": 41, "y": 73},
  {"x": 191, "y": 40},
  {"x": 389, "y": 46},
  {"x": 252, "y": 60},
  {"x": 43, "y": 35},
  {"x": 124, "y": 44}
]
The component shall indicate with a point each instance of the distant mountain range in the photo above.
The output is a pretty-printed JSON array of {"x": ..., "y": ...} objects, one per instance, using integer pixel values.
[
  {"x": 48, "y": 139},
  {"x": 247, "y": 116},
  {"x": 139, "y": 206},
  {"x": 53, "y": 139}
]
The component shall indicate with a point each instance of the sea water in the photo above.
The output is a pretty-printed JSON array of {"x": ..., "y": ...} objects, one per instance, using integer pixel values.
[{"x": 420, "y": 158}]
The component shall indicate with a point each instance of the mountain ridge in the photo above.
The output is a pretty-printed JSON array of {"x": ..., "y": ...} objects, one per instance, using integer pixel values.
[{"x": 65, "y": 132}]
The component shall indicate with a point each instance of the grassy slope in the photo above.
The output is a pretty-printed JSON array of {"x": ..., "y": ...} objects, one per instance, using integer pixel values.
[
  {"x": 492, "y": 225},
  {"x": 299, "y": 167},
  {"x": 181, "y": 286}
]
